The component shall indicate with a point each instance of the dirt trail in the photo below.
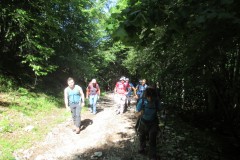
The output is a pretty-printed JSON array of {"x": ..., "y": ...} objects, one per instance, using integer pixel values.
[{"x": 111, "y": 134}]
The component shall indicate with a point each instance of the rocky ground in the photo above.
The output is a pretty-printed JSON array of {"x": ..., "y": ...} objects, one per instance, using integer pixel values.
[
  {"x": 112, "y": 137},
  {"x": 105, "y": 133}
]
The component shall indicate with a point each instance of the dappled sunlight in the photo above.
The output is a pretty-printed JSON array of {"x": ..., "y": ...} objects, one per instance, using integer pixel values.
[{"x": 114, "y": 137}]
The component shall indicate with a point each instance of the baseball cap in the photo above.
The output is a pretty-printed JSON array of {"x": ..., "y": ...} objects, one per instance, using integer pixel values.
[
  {"x": 122, "y": 79},
  {"x": 94, "y": 81}
]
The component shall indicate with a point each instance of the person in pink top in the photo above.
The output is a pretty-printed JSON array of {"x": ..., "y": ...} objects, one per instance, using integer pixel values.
[
  {"x": 93, "y": 94},
  {"x": 120, "y": 95}
]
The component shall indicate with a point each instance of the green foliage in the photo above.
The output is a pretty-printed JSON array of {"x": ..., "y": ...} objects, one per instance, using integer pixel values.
[
  {"x": 33, "y": 53},
  {"x": 131, "y": 62},
  {"x": 26, "y": 107},
  {"x": 45, "y": 37},
  {"x": 28, "y": 103},
  {"x": 23, "y": 91},
  {"x": 7, "y": 149},
  {"x": 5, "y": 125},
  {"x": 111, "y": 57},
  {"x": 38, "y": 63},
  {"x": 6, "y": 83},
  {"x": 112, "y": 22},
  {"x": 192, "y": 48}
]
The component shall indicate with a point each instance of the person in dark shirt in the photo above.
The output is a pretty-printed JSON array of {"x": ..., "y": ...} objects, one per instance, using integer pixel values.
[{"x": 147, "y": 109}]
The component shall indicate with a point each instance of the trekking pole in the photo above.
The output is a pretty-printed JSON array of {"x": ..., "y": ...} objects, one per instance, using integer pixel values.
[
  {"x": 136, "y": 127},
  {"x": 163, "y": 122}
]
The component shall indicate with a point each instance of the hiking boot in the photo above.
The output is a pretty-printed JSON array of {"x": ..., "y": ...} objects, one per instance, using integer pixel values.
[
  {"x": 77, "y": 130},
  {"x": 90, "y": 110}
]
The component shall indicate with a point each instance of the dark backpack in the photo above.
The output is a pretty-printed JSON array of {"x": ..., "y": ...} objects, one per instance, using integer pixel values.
[{"x": 141, "y": 89}]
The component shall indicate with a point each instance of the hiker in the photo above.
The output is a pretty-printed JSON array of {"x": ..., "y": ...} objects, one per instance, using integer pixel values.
[
  {"x": 130, "y": 91},
  {"x": 93, "y": 93},
  {"x": 120, "y": 95},
  {"x": 140, "y": 88},
  {"x": 74, "y": 99},
  {"x": 146, "y": 110}
]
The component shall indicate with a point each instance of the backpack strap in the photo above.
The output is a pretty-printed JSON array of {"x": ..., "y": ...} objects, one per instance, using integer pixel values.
[
  {"x": 143, "y": 103},
  {"x": 78, "y": 89},
  {"x": 138, "y": 87}
]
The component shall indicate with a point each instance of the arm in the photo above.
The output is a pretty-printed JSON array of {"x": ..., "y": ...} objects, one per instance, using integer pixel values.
[
  {"x": 139, "y": 108},
  {"x": 129, "y": 88},
  {"x": 134, "y": 91},
  {"x": 87, "y": 93},
  {"x": 115, "y": 90},
  {"x": 82, "y": 95},
  {"x": 99, "y": 91},
  {"x": 116, "y": 86},
  {"x": 139, "y": 114},
  {"x": 66, "y": 98}
]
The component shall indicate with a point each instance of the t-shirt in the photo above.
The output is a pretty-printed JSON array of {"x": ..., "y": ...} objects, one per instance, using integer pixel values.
[
  {"x": 120, "y": 88},
  {"x": 150, "y": 108}
]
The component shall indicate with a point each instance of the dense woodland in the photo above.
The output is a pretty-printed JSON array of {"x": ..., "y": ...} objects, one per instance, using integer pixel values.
[{"x": 190, "y": 47}]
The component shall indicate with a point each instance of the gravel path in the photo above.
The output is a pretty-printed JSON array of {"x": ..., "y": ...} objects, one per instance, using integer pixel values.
[{"x": 112, "y": 135}]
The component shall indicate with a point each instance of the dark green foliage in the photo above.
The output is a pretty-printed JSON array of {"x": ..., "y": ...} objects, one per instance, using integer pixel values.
[
  {"x": 192, "y": 48},
  {"x": 45, "y": 36}
]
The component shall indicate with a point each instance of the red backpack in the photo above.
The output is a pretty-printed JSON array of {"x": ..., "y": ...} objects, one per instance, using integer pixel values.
[{"x": 93, "y": 90}]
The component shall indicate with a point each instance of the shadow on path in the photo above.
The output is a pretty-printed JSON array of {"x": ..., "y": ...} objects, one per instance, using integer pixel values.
[{"x": 85, "y": 123}]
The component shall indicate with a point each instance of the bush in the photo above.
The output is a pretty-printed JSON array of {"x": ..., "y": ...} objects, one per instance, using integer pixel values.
[{"x": 6, "y": 83}]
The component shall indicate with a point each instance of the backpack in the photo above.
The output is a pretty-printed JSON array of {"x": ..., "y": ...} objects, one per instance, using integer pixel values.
[
  {"x": 128, "y": 86},
  {"x": 141, "y": 89},
  {"x": 93, "y": 90},
  {"x": 74, "y": 95}
]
